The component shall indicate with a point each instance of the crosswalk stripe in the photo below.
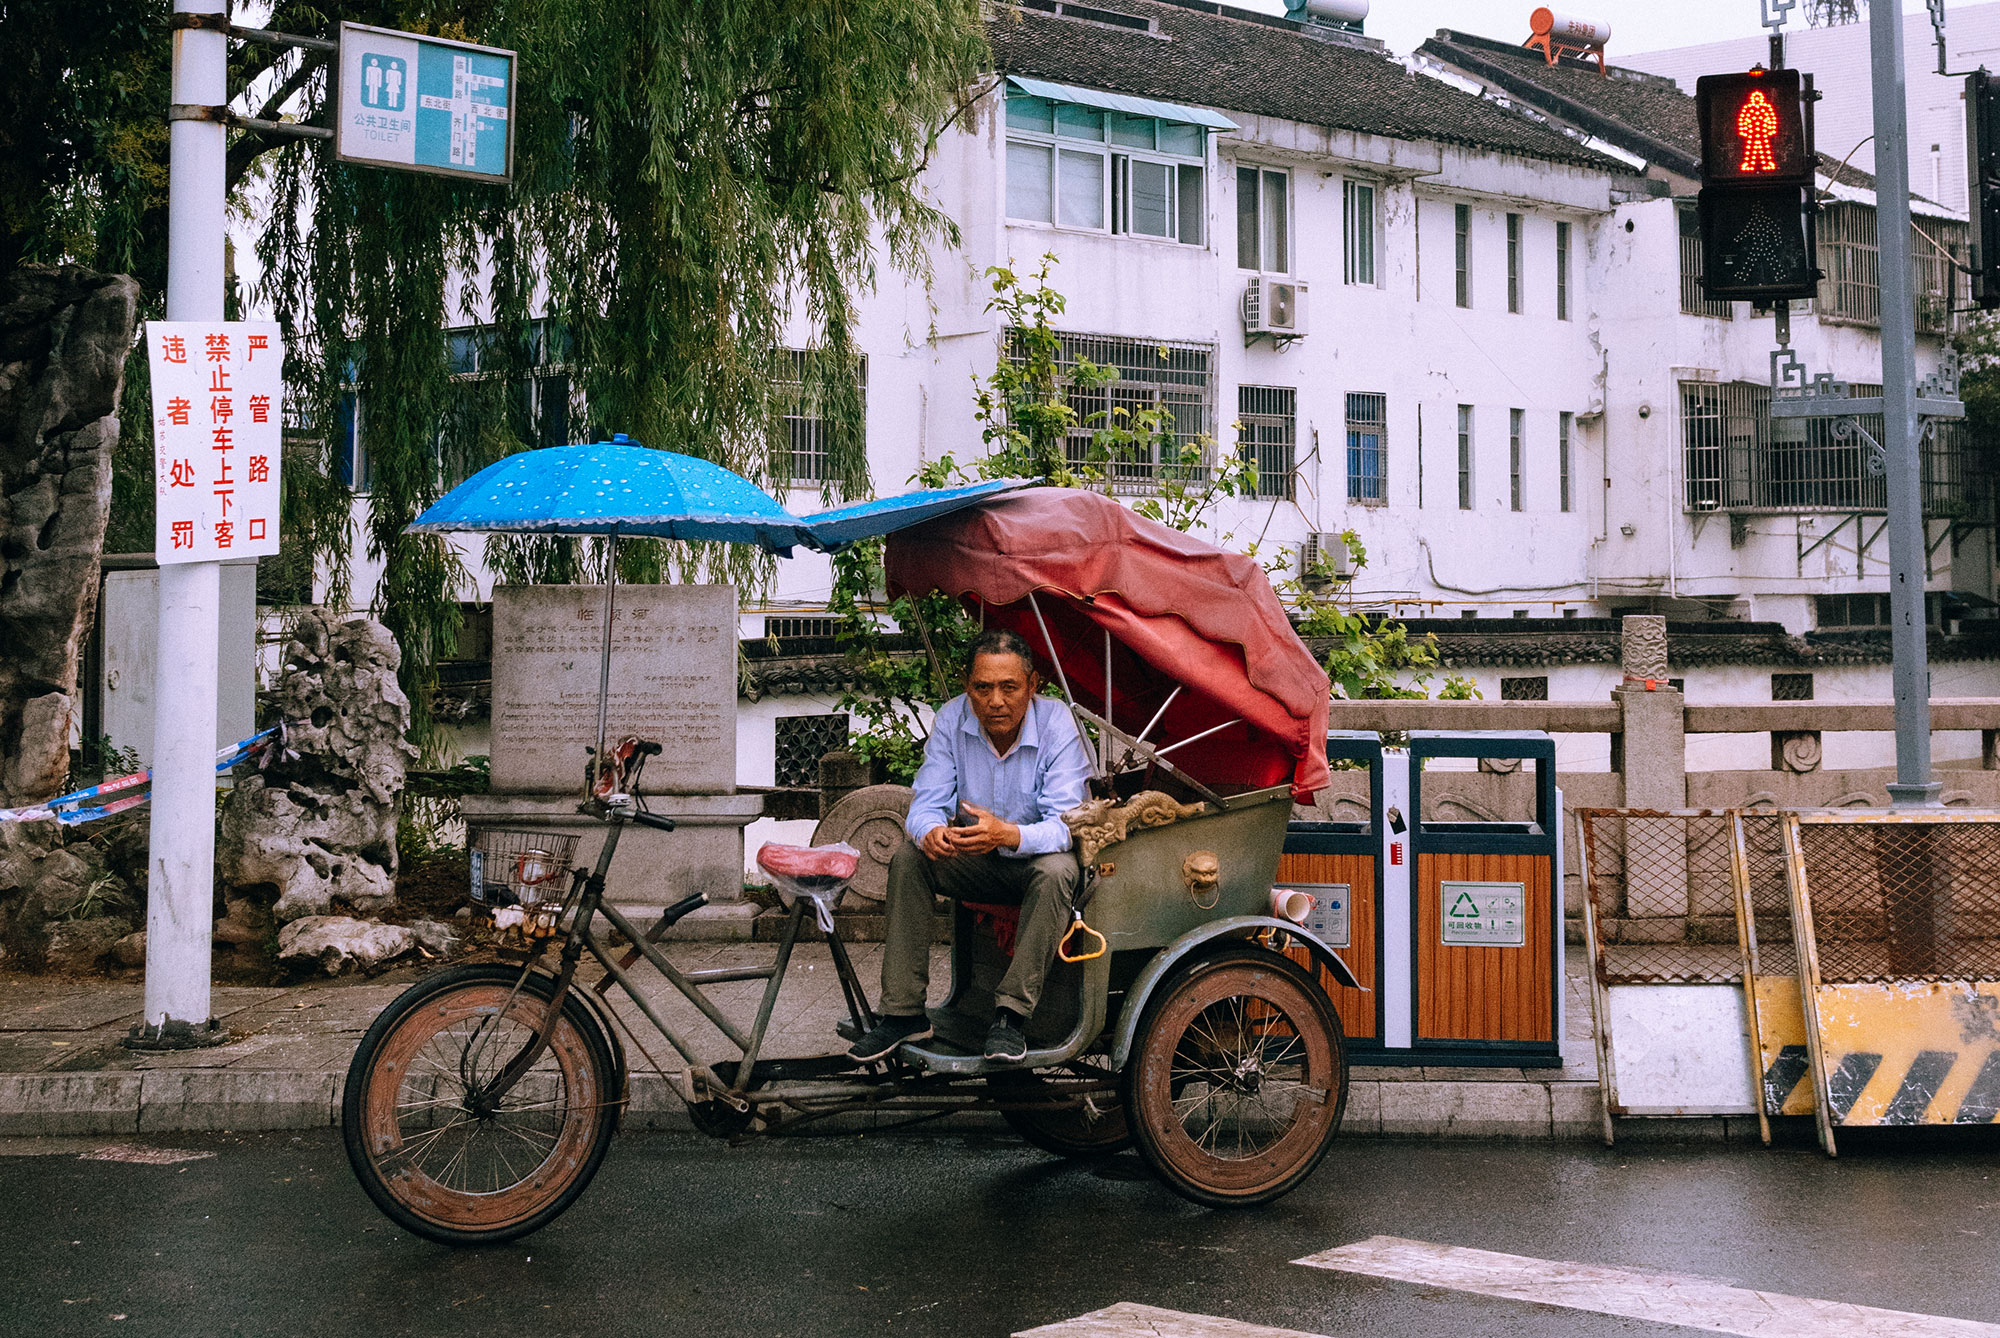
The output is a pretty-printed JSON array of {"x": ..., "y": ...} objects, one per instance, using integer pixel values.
[
  {"x": 1663, "y": 1298},
  {"x": 1127, "y": 1320}
]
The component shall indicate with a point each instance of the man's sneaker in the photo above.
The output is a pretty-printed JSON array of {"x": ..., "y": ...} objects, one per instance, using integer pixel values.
[
  {"x": 1005, "y": 1042},
  {"x": 881, "y": 1040}
]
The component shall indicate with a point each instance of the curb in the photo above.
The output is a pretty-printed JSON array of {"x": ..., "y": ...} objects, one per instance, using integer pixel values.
[{"x": 162, "y": 1101}]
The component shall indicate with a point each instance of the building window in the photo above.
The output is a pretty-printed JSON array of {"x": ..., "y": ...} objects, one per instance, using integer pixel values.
[
  {"x": 1528, "y": 688},
  {"x": 808, "y": 431},
  {"x": 1516, "y": 419},
  {"x": 1263, "y": 220},
  {"x": 802, "y": 740},
  {"x": 790, "y": 627},
  {"x": 1358, "y": 211},
  {"x": 1514, "y": 262},
  {"x": 1368, "y": 449},
  {"x": 522, "y": 394},
  {"x": 1078, "y": 167},
  {"x": 1462, "y": 243},
  {"x": 1791, "y": 687},
  {"x": 1562, "y": 275},
  {"x": 1267, "y": 435},
  {"x": 1565, "y": 424},
  {"x": 1465, "y": 457},
  {"x": 1174, "y": 378},
  {"x": 1694, "y": 298},
  {"x": 1833, "y": 612}
]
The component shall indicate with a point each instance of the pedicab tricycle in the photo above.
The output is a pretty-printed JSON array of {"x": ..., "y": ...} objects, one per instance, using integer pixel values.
[{"x": 1183, "y": 1014}]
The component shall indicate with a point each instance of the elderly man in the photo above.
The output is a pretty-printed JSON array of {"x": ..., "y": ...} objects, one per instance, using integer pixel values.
[{"x": 1002, "y": 765}]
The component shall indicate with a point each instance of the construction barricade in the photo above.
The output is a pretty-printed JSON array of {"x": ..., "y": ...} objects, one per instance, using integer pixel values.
[
  {"x": 1896, "y": 916},
  {"x": 1661, "y": 928}
]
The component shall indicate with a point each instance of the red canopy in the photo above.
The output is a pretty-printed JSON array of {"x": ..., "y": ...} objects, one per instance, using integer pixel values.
[{"x": 1180, "y": 613}]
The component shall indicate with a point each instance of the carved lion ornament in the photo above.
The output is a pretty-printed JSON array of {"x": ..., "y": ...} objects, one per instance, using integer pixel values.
[{"x": 1202, "y": 872}]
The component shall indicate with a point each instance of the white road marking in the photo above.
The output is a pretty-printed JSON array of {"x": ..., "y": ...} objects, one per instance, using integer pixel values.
[
  {"x": 1662, "y": 1298},
  {"x": 1126, "y": 1320}
]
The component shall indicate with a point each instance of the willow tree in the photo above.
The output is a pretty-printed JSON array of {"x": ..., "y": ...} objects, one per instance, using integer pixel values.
[{"x": 692, "y": 178}]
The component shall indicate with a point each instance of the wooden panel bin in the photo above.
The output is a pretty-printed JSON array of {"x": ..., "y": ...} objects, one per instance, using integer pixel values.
[{"x": 1486, "y": 967}]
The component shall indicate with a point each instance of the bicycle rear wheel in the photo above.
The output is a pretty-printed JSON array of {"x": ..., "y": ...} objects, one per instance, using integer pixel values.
[{"x": 448, "y": 1165}]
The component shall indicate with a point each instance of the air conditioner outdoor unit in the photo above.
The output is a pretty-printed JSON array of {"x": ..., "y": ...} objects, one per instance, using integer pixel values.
[
  {"x": 1324, "y": 559},
  {"x": 1274, "y": 307}
]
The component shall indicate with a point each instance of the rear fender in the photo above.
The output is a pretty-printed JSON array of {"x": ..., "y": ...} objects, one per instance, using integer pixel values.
[{"x": 1192, "y": 945}]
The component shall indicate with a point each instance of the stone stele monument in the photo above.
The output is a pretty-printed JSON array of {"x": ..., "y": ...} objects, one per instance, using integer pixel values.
[{"x": 673, "y": 680}]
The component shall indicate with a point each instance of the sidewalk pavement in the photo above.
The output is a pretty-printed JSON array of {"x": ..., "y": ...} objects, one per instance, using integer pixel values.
[{"x": 64, "y": 1072}]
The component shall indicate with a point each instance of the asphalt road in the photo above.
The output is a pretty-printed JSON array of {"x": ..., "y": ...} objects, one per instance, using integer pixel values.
[{"x": 910, "y": 1235}]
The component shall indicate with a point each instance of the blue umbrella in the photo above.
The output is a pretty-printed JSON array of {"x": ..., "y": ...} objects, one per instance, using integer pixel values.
[
  {"x": 612, "y": 488},
  {"x": 617, "y": 488}
]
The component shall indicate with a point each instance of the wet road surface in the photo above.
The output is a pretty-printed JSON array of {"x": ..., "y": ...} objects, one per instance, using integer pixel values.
[{"x": 963, "y": 1236}]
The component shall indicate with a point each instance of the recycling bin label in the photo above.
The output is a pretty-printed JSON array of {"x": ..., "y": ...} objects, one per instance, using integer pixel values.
[{"x": 1484, "y": 915}]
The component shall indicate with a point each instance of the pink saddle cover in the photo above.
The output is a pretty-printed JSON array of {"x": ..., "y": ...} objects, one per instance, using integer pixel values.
[{"x": 808, "y": 861}]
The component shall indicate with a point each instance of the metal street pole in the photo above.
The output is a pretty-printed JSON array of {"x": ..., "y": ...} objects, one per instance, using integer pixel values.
[
  {"x": 181, "y": 887},
  {"x": 1903, "y": 467}
]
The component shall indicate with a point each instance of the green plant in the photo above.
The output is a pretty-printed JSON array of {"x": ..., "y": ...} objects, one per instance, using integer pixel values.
[
  {"x": 1369, "y": 656},
  {"x": 99, "y": 759},
  {"x": 894, "y": 691}
]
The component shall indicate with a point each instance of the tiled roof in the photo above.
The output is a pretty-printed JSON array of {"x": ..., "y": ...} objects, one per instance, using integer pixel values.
[
  {"x": 1213, "y": 55},
  {"x": 1643, "y": 114}
]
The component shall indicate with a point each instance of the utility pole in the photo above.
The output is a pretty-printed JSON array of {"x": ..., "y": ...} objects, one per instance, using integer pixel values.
[
  {"x": 181, "y": 884},
  {"x": 1902, "y": 462}
]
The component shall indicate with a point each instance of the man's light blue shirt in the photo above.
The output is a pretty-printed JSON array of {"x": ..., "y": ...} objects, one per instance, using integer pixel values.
[{"x": 1032, "y": 786}]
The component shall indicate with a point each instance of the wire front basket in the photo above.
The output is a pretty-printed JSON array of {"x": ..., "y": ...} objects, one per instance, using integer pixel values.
[{"x": 517, "y": 868}]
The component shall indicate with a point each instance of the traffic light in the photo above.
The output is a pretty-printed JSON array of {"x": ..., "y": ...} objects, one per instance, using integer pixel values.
[
  {"x": 1982, "y": 183},
  {"x": 1756, "y": 185}
]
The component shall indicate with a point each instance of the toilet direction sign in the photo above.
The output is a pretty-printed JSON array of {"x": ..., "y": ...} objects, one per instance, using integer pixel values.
[{"x": 424, "y": 104}]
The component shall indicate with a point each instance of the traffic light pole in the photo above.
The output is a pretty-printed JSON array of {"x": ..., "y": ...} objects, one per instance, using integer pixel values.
[{"x": 1902, "y": 464}]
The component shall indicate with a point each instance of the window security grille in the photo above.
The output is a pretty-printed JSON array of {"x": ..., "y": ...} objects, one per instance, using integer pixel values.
[
  {"x": 802, "y": 740},
  {"x": 1514, "y": 262},
  {"x": 1176, "y": 378},
  {"x": 1368, "y": 449},
  {"x": 1565, "y": 427},
  {"x": 808, "y": 433},
  {"x": 1735, "y": 463},
  {"x": 1465, "y": 457},
  {"x": 1516, "y": 465},
  {"x": 1533, "y": 688},
  {"x": 1562, "y": 274},
  {"x": 1267, "y": 426},
  {"x": 1850, "y": 256},
  {"x": 1461, "y": 217},
  {"x": 801, "y": 627},
  {"x": 1695, "y": 302}
]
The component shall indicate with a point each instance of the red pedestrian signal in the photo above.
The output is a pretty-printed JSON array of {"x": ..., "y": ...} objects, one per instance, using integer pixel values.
[
  {"x": 1757, "y": 126},
  {"x": 1756, "y": 185},
  {"x": 1753, "y": 128}
]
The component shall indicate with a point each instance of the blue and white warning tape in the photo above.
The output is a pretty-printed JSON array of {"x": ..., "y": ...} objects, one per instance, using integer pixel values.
[{"x": 70, "y": 809}]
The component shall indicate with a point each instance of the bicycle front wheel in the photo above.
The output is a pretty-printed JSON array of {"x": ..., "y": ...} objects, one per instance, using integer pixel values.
[{"x": 438, "y": 1157}]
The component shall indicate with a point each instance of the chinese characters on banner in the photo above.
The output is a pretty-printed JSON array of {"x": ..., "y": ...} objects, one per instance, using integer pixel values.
[{"x": 217, "y": 413}]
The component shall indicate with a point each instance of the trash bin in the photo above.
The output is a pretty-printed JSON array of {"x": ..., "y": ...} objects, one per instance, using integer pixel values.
[
  {"x": 1486, "y": 932},
  {"x": 1338, "y": 864}
]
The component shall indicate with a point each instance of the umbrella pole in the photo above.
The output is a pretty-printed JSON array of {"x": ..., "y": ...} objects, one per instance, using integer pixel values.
[{"x": 604, "y": 666}]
